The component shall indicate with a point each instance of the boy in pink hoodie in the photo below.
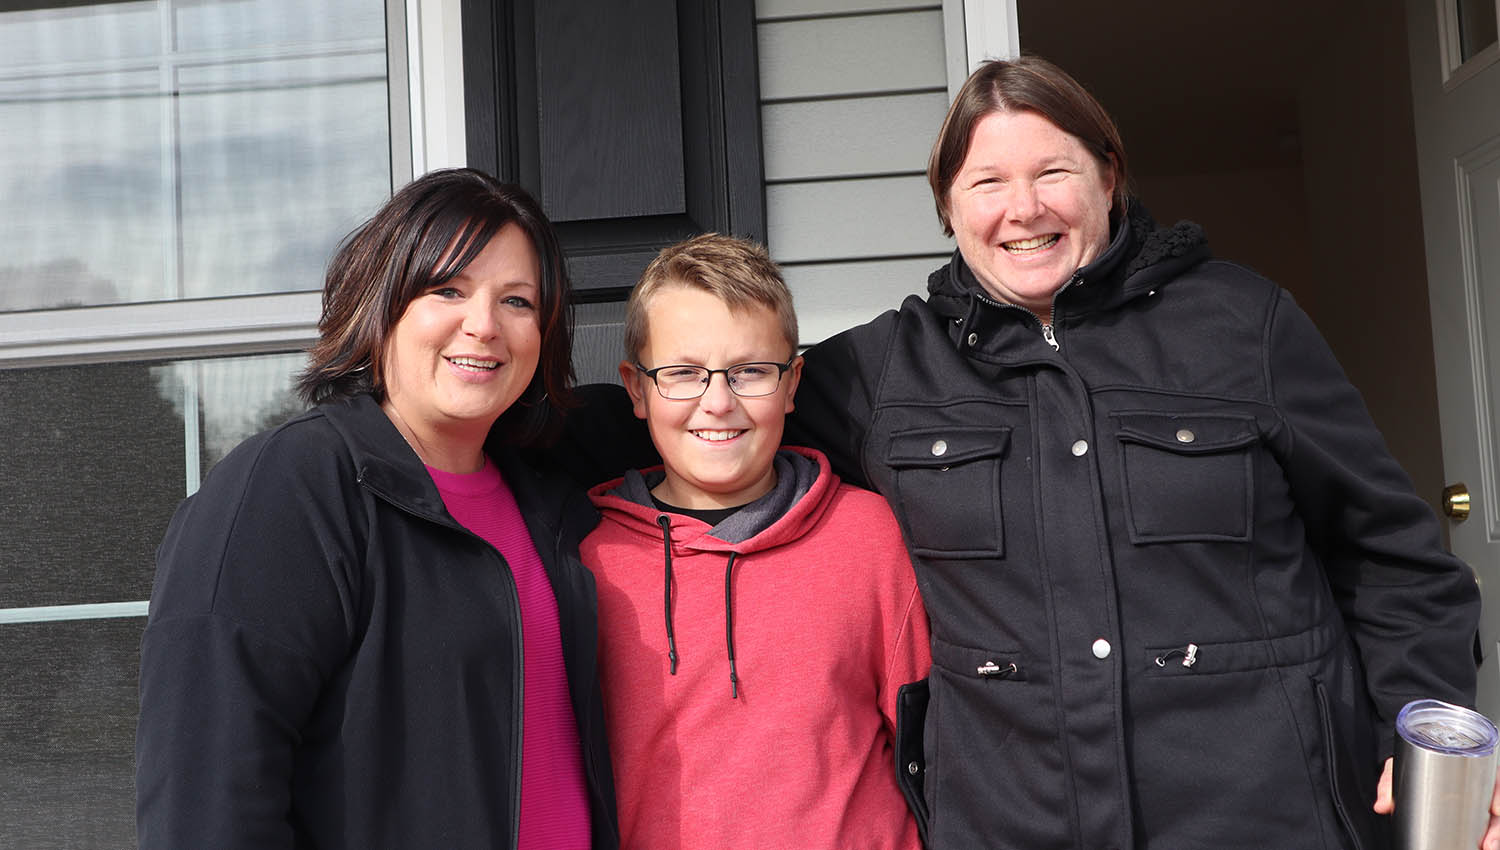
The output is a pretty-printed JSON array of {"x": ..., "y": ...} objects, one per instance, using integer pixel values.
[{"x": 757, "y": 617}]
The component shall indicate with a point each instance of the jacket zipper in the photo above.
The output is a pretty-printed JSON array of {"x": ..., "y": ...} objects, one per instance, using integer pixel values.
[
  {"x": 519, "y": 658},
  {"x": 1047, "y": 332}
]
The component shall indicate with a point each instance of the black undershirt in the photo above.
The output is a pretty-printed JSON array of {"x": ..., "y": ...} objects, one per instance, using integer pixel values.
[{"x": 712, "y": 516}]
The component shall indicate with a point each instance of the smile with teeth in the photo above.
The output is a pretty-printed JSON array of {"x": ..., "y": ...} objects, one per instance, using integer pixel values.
[
  {"x": 716, "y": 436},
  {"x": 473, "y": 364},
  {"x": 1032, "y": 245}
]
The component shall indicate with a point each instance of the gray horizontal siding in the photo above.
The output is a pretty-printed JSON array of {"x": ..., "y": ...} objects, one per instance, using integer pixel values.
[
  {"x": 834, "y": 57},
  {"x": 834, "y": 296},
  {"x": 879, "y": 135},
  {"x": 852, "y": 219},
  {"x": 766, "y": 10},
  {"x": 852, "y": 95}
]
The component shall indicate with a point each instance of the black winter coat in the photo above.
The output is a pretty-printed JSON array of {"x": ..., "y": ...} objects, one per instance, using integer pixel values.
[
  {"x": 1178, "y": 587},
  {"x": 332, "y": 661}
]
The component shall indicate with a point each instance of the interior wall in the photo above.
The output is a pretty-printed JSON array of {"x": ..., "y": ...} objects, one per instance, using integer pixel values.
[
  {"x": 1360, "y": 171},
  {"x": 1257, "y": 217},
  {"x": 1291, "y": 142}
]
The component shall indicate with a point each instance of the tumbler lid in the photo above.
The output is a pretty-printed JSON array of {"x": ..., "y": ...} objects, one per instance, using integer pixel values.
[{"x": 1450, "y": 729}]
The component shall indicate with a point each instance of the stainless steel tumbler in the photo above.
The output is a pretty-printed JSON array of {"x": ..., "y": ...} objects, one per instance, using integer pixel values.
[{"x": 1444, "y": 776}]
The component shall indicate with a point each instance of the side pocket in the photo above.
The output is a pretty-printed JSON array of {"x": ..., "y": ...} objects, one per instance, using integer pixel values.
[
  {"x": 911, "y": 764},
  {"x": 1344, "y": 785}
]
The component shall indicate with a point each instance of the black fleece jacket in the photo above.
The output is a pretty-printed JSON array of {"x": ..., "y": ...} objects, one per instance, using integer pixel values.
[{"x": 331, "y": 661}]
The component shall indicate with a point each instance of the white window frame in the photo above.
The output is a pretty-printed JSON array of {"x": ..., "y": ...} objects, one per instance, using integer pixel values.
[
  {"x": 976, "y": 30},
  {"x": 425, "y": 73},
  {"x": 426, "y": 107},
  {"x": 1450, "y": 47}
]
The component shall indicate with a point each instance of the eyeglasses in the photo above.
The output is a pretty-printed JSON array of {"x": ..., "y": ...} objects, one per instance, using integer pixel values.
[{"x": 746, "y": 380}]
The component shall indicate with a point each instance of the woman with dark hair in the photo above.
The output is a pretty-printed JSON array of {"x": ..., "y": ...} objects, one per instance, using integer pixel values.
[
  {"x": 1179, "y": 589},
  {"x": 353, "y": 615}
]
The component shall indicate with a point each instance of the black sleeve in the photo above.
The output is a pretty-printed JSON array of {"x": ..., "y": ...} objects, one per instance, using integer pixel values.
[
  {"x": 602, "y": 438},
  {"x": 249, "y": 617},
  {"x": 836, "y": 399},
  {"x": 1410, "y": 606}
]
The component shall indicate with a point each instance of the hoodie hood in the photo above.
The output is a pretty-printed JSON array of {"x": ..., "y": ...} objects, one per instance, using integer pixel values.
[
  {"x": 1141, "y": 257},
  {"x": 804, "y": 486}
]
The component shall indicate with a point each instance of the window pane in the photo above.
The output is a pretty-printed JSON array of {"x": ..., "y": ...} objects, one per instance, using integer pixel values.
[
  {"x": 175, "y": 149},
  {"x": 67, "y": 733},
  {"x": 84, "y": 213},
  {"x": 79, "y": 34},
  {"x": 1476, "y": 26},
  {"x": 268, "y": 182},
  {"x": 99, "y": 456},
  {"x": 257, "y": 23}
]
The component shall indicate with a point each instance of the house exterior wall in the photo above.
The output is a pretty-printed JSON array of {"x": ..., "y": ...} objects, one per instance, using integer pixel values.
[{"x": 852, "y": 95}]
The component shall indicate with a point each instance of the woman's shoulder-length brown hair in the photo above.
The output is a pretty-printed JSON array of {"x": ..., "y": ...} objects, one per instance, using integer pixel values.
[
  {"x": 1025, "y": 84},
  {"x": 427, "y": 233}
]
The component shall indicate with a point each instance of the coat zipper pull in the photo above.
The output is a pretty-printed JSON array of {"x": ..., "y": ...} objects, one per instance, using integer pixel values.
[
  {"x": 991, "y": 669},
  {"x": 1189, "y": 656},
  {"x": 1050, "y": 337}
]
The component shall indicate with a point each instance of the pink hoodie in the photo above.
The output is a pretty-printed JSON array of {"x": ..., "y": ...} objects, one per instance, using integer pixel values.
[{"x": 826, "y": 624}]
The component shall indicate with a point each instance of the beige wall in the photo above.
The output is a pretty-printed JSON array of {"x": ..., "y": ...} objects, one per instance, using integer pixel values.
[
  {"x": 1294, "y": 149},
  {"x": 1360, "y": 170}
]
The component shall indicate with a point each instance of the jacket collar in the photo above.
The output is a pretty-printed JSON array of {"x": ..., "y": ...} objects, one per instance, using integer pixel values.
[
  {"x": 385, "y": 464},
  {"x": 1140, "y": 258},
  {"x": 805, "y": 486}
]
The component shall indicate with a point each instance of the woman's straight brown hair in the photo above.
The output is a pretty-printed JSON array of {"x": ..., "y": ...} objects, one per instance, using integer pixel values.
[{"x": 422, "y": 237}]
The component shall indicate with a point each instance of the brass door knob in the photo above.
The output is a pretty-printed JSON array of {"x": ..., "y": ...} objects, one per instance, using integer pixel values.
[{"x": 1456, "y": 501}]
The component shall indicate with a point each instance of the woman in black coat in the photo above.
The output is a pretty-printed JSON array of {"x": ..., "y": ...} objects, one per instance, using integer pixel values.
[
  {"x": 351, "y": 614},
  {"x": 1179, "y": 589}
]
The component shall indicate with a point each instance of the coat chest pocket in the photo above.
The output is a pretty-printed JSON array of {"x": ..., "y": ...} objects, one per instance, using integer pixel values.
[
  {"x": 1187, "y": 477},
  {"x": 948, "y": 490}
]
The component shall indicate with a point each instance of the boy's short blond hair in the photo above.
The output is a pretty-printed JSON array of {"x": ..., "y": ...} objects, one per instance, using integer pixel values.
[{"x": 739, "y": 272}]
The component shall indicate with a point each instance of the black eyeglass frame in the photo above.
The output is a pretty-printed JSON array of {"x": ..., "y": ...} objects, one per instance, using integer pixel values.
[{"x": 781, "y": 369}]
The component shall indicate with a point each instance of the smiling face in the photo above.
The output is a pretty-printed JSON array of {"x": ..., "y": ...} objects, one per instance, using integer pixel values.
[
  {"x": 1029, "y": 207},
  {"x": 464, "y": 351},
  {"x": 717, "y": 448}
]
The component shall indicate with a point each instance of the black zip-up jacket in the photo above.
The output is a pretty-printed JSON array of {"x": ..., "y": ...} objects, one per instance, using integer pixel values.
[
  {"x": 332, "y": 661},
  {"x": 1179, "y": 589}
]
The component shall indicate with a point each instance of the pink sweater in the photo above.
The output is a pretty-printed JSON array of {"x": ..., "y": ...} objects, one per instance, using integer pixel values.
[
  {"x": 554, "y": 796},
  {"x": 826, "y": 626}
]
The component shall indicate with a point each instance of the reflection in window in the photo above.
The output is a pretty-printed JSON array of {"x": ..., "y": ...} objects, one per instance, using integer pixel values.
[
  {"x": 186, "y": 148},
  {"x": 97, "y": 458},
  {"x": 67, "y": 734}
]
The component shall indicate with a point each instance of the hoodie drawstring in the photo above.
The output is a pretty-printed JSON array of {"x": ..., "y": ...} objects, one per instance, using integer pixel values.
[
  {"x": 666, "y": 535},
  {"x": 734, "y": 682}
]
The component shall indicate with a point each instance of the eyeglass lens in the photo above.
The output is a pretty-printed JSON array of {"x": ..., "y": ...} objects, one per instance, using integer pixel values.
[{"x": 746, "y": 380}]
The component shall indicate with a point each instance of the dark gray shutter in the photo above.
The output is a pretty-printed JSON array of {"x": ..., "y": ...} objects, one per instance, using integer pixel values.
[{"x": 635, "y": 122}]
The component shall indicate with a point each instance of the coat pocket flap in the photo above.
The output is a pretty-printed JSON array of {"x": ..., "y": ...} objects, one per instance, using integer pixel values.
[
  {"x": 939, "y": 447},
  {"x": 978, "y": 663},
  {"x": 1187, "y": 433}
]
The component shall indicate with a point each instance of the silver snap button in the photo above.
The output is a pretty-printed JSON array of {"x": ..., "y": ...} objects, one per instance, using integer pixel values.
[
  {"x": 1101, "y": 649},
  {"x": 913, "y": 768},
  {"x": 1185, "y": 436},
  {"x": 973, "y": 340},
  {"x": 939, "y": 448},
  {"x": 1080, "y": 448}
]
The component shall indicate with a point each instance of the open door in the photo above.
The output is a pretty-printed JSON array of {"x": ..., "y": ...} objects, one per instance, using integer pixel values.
[{"x": 1455, "y": 72}]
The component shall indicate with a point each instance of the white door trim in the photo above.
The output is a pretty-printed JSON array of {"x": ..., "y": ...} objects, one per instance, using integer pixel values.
[{"x": 976, "y": 30}]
